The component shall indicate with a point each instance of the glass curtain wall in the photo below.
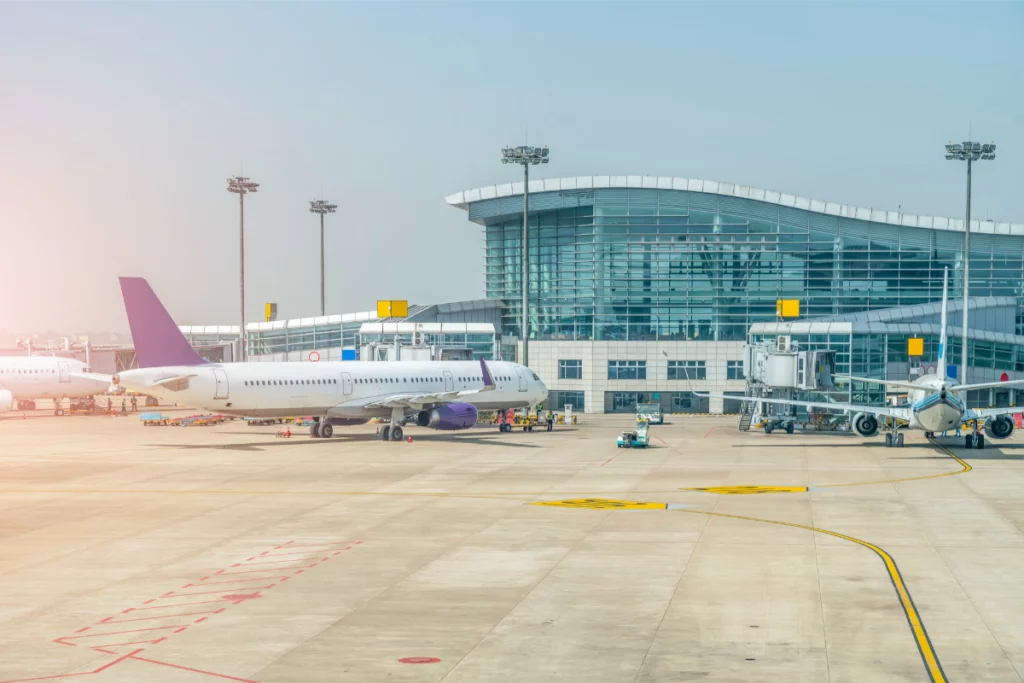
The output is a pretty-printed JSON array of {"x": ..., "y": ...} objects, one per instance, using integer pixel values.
[{"x": 644, "y": 264}]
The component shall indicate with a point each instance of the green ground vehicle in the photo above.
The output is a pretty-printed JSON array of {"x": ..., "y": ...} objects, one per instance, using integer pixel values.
[{"x": 638, "y": 439}]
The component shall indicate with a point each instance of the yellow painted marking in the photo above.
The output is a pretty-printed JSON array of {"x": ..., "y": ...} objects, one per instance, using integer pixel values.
[
  {"x": 924, "y": 644},
  {"x": 602, "y": 504},
  {"x": 737, "y": 490},
  {"x": 744, "y": 490}
]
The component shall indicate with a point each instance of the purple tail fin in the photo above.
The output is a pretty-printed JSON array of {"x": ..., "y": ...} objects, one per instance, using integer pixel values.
[
  {"x": 486, "y": 372},
  {"x": 158, "y": 341}
]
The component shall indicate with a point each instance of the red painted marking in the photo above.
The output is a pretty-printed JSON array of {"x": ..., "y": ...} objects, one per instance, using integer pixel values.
[
  {"x": 103, "y": 621},
  {"x": 149, "y": 601},
  {"x": 709, "y": 432},
  {"x": 348, "y": 547},
  {"x": 419, "y": 660},
  {"x": 337, "y": 552},
  {"x": 168, "y": 616},
  {"x": 180, "y": 629},
  {"x": 188, "y": 668},
  {"x": 226, "y": 583},
  {"x": 609, "y": 460},
  {"x": 103, "y": 634},
  {"x": 661, "y": 439},
  {"x": 84, "y": 628},
  {"x": 84, "y": 673},
  {"x": 243, "y": 596},
  {"x": 266, "y": 551},
  {"x": 263, "y": 571},
  {"x": 204, "y": 578},
  {"x": 200, "y": 620},
  {"x": 188, "y": 595}
]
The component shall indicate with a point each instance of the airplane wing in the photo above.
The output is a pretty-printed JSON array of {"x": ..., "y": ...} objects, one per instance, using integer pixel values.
[
  {"x": 986, "y": 385},
  {"x": 979, "y": 413},
  {"x": 884, "y": 411},
  {"x": 886, "y": 382},
  {"x": 418, "y": 401},
  {"x": 175, "y": 383}
]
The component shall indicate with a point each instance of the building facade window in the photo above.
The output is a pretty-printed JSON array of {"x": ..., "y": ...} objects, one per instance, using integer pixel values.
[
  {"x": 734, "y": 369},
  {"x": 557, "y": 400},
  {"x": 687, "y": 369},
  {"x": 627, "y": 369},
  {"x": 570, "y": 369}
]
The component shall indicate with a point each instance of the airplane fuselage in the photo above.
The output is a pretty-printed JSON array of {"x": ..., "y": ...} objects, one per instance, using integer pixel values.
[
  {"x": 935, "y": 407},
  {"x": 333, "y": 388},
  {"x": 32, "y": 377}
]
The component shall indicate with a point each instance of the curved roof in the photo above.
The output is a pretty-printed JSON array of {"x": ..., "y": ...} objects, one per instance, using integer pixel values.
[{"x": 463, "y": 199}]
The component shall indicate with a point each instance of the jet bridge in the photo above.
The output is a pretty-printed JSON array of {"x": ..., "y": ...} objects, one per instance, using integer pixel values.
[{"x": 779, "y": 369}]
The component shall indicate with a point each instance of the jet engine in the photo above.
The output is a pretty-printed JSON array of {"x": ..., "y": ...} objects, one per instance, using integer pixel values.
[
  {"x": 865, "y": 424},
  {"x": 999, "y": 427},
  {"x": 6, "y": 400},
  {"x": 448, "y": 417}
]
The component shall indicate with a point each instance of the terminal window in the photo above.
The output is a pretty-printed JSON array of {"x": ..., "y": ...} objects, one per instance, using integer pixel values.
[
  {"x": 570, "y": 369},
  {"x": 627, "y": 369},
  {"x": 734, "y": 369},
  {"x": 687, "y": 369}
]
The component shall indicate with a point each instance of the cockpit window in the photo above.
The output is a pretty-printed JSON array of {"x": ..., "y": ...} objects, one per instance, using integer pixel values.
[{"x": 536, "y": 377}]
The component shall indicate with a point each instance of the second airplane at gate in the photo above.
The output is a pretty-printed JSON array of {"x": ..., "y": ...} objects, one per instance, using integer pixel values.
[{"x": 437, "y": 394}]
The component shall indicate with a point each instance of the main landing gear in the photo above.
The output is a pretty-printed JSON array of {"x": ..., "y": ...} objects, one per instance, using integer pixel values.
[
  {"x": 893, "y": 437},
  {"x": 975, "y": 439},
  {"x": 26, "y": 405},
  {"x": 393, "y": 431},
  {"x": 322, "y": 429}
]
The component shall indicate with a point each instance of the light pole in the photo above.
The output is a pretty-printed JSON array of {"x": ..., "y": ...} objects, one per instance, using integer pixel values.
[
  {"x": 969, "y": 152},
  {"x": 321, "y": 207},
  {"x": 527, "y": 156},
  {"x": 241, "y": 186}
]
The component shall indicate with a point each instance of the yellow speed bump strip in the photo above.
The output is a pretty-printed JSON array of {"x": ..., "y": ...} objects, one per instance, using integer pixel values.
[
  {"x": 917, "y": 629},
  {"x": 744, "y": 490}
]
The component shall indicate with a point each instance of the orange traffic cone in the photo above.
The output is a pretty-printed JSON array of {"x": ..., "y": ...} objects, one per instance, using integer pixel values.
[
  {"x": 378, "y": 430},
  {"x": 410, "y": 439}
]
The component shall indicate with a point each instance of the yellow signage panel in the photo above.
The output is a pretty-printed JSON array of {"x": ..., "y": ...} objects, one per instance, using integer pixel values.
[
  {"x": 915, "y": 347},
  {"x": 787, "y": 308},
  {"x": 270, "y": 312},
  {"x": 392, "y": 308}
]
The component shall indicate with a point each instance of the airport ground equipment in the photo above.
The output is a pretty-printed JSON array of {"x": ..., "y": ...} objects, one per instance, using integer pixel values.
[
  {"x": 154, "y": 419},
  {"x": 650, "y": 413},
  {"x": 778, "y": 369},
  {"x": 638, "y": 438}
]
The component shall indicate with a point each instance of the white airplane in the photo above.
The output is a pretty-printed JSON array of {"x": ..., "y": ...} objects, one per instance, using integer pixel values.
[
  {"x": 442, "y": 395},
  {"x": 936, "y": 403},
  {"x": 26, "y": 378}
]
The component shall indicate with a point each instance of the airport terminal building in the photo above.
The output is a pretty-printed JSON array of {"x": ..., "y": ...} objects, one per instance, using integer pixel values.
[{"x": 645, "y": 288}]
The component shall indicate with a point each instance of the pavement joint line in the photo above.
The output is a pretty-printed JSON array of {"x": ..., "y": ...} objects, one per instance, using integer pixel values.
[{"x": 930, "y": 659}]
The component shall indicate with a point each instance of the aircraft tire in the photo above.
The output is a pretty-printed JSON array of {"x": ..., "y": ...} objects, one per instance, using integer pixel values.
[
  {"x": 899, "y": 441},
  {"x": 59, "y": 412},
  {"x": 385, "y": 433},
  {"x": 789, "y": 428},
  {"x": 980, "y": 441},
  {"x": 969, "y": 441},
  {"x": 326, "y": 430},
  {"x": 888, "y": 440},
  {"x": 395, "y": 434},
  {"x": 314, "y": 430}
]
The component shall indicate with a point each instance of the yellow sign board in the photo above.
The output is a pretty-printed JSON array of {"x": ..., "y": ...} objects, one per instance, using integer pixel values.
[
  {"x": 915, "y": 346},
  {"x": 787, "y": 308},
  {"x": 271, "y": 312},
  {"x": 746, "y": 490},
  {"x": 392, "y": 308},
  {"x": 602, "y": 504}
]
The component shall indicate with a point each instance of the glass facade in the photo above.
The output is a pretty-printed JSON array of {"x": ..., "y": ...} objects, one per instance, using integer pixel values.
[
  {"x": 658, "y": 264},
  {"x": 570, "y": 369}
]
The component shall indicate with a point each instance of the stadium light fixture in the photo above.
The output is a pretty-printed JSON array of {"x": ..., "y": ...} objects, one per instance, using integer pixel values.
[
  {"x": 242, "y": 186},
  {"x": 526, "y": 156},
  {"x": 322, "y": 207},
  {"x": 970, "y": 152}
]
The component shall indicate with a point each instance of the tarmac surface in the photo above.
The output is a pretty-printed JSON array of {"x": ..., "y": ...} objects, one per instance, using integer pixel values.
[{"x": 174, "y": 554}]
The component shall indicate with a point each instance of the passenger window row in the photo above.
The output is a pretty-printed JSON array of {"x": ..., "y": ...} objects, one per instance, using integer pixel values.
[
  {"x": 287, "y": 382},
  {"x": 28, "y": 372}
]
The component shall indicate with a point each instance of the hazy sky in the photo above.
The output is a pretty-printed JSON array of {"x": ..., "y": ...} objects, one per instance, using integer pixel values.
[{"x": 120, "y": 122}]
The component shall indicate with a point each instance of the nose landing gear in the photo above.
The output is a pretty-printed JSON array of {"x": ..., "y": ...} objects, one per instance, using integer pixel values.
[{"x": 975, "y": 439}]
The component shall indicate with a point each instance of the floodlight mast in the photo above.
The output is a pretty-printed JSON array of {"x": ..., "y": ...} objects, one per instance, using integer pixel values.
[
  {"x": 969, "y": 152},
  {"x": 527, "y": 156},
  {"x": 322, "y": 207},
  {"x": 241, "y": 186}
]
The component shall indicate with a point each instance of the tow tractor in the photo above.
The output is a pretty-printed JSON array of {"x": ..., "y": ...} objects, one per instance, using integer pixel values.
[
  {"x": 634, "y": 439},
  {"x": 772, "y": 424}
]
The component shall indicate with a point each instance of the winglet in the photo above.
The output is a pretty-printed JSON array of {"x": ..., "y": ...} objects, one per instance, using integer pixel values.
[
  {"x": 488, "y": 380},
  {"x": 158, "y": 341}
]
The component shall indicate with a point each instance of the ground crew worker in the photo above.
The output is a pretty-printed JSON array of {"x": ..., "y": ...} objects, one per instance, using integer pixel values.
[
  {"x": 135, "y": 404},
  {"x": 124, "y": 409},
  {"x": 551, "y": 420}
]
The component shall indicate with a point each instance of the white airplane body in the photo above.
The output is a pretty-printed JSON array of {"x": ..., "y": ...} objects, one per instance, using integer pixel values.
[
  {"x": 26, "y": 378},
  {"x": 445, "y": 395},
  {"x": 936, "y": 403}
]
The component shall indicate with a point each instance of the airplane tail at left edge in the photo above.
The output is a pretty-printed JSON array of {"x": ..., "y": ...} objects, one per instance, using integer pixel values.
[{"x": 158, "y": 341}]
